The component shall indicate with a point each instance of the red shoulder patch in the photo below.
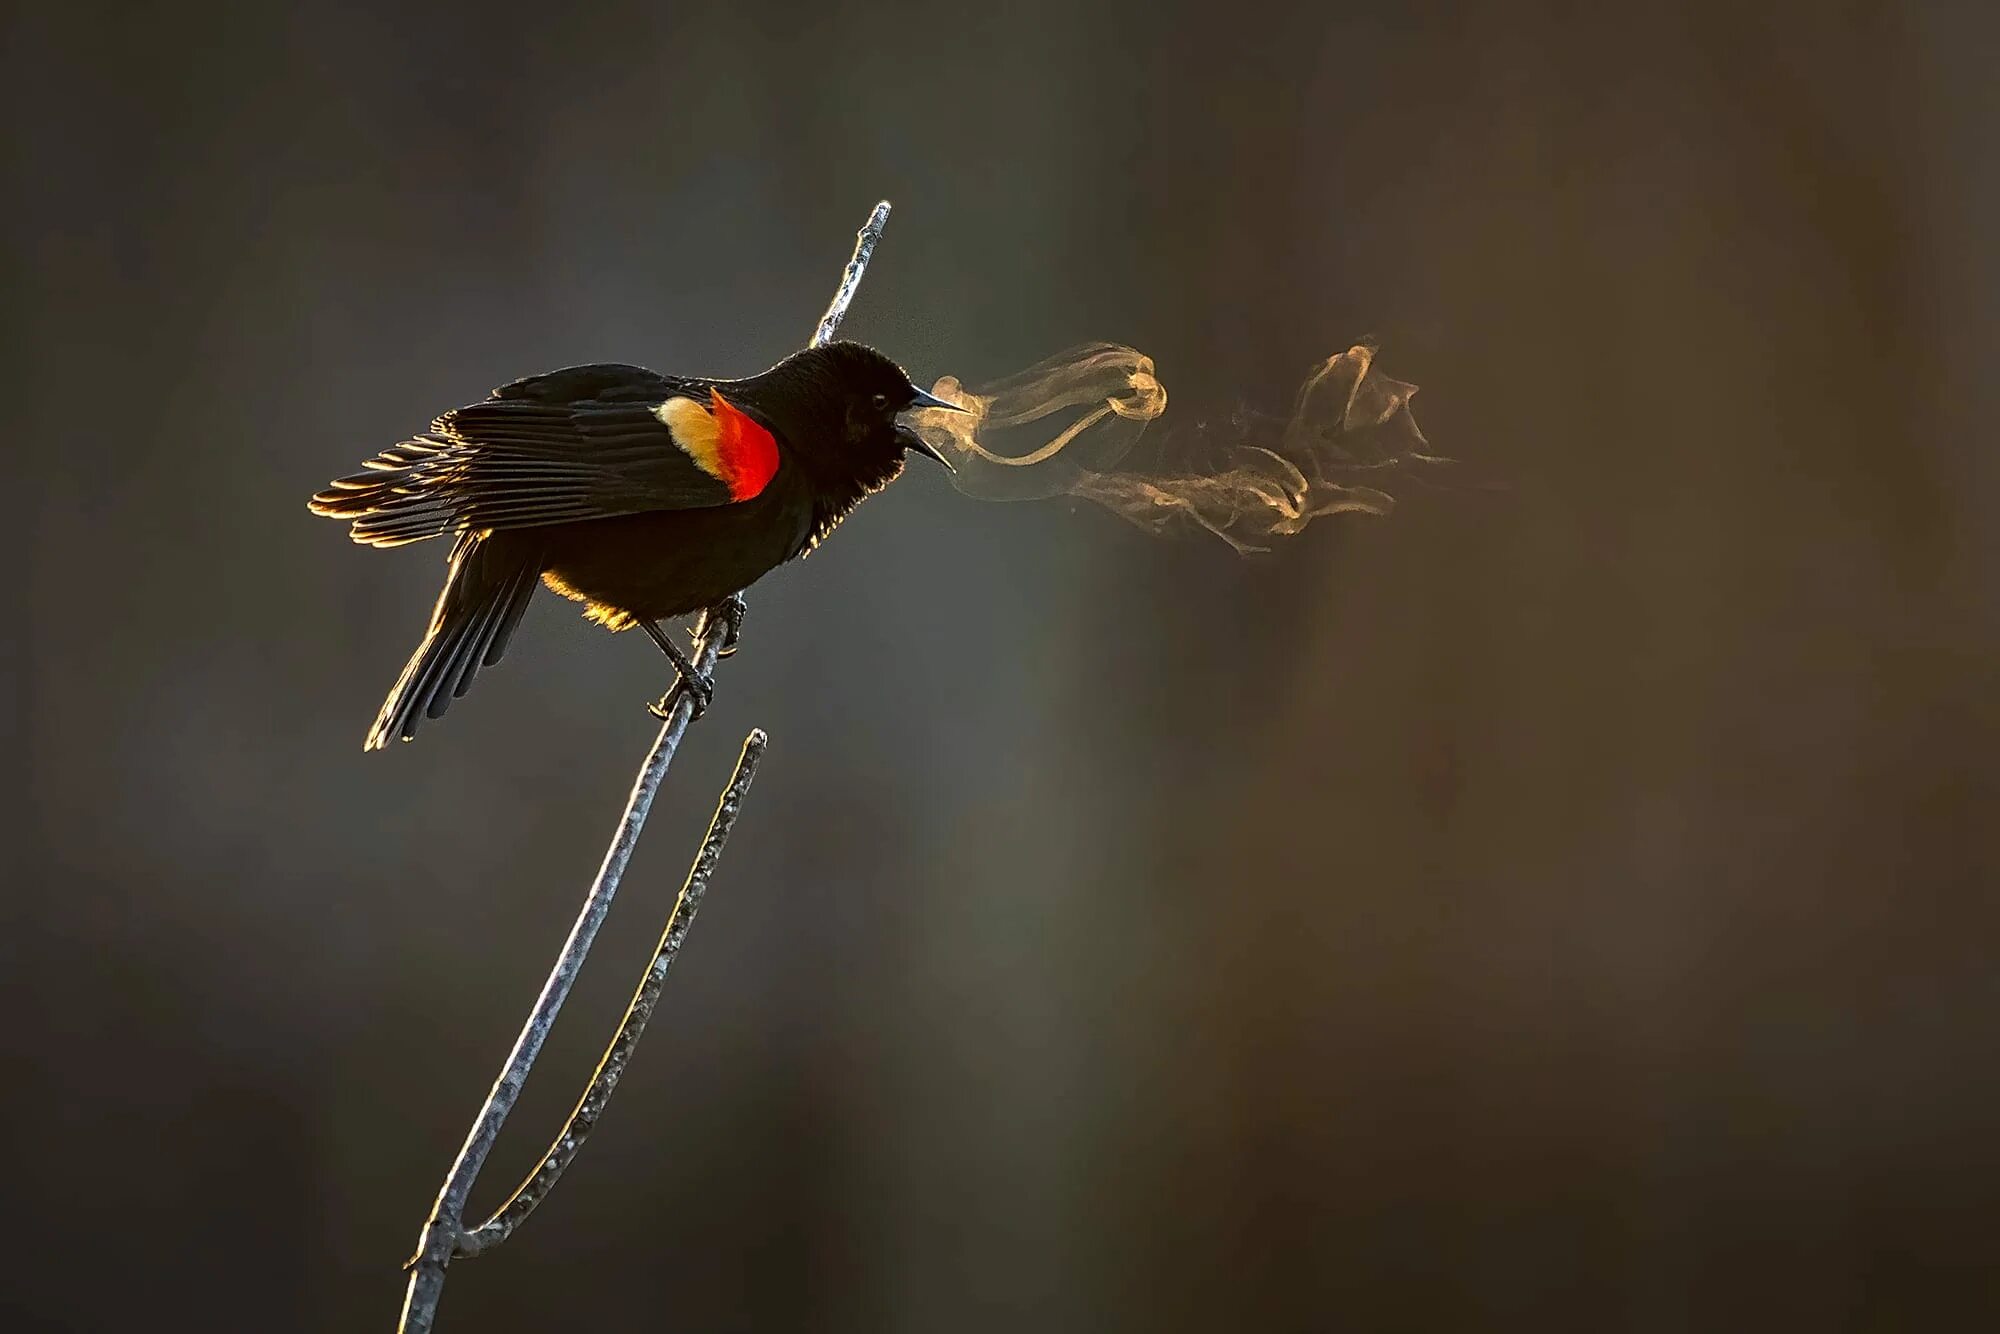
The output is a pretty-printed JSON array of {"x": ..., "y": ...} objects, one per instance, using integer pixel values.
[{"x": 746, "y": 453}]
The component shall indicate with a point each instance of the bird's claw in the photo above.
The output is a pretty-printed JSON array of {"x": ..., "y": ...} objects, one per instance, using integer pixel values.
[
  {"x": 700, "y": 684},
  {"x": 701, "y": 687},
  {"x": 686, "y": 677}
]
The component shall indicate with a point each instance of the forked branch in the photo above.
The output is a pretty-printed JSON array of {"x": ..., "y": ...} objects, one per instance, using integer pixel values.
[{"x": 618, "y": 1054}]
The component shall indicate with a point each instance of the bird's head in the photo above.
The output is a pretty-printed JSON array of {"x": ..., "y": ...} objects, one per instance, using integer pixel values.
[{"x": 840, "y": 406}]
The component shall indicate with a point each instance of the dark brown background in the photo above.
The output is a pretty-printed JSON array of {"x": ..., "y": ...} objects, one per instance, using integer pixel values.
[{"x": 1569, "y": 908}]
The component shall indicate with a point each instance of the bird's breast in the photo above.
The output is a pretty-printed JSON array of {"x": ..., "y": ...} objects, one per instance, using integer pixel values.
[{"x": 668, "y": 563}]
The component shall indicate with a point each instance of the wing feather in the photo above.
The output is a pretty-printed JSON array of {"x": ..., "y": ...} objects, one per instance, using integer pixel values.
[{"x": 575, "y": 444}]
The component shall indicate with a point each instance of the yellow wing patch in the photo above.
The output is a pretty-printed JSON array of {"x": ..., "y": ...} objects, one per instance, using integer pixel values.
[{"x": 696, "y": 431}]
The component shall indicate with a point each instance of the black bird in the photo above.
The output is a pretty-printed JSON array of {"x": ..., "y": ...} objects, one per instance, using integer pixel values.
[{"x": 644, "y": 496}]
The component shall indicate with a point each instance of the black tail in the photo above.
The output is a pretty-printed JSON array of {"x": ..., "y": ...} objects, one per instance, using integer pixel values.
[{"x": 488, "y": 588}]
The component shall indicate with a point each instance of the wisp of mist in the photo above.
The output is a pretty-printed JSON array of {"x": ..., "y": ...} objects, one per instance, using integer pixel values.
[{"x": 1256, "y": 478}]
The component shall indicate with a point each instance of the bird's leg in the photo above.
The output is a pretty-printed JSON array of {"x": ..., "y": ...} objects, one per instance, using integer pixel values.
[
  {"x": 731, "y": 609},
  {"x": 687, "y": 676}
]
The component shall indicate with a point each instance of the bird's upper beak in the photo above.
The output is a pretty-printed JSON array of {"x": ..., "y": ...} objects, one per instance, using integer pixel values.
[
  {"x": 920, "y": 399},
  {"x": 907, "y": 434}
]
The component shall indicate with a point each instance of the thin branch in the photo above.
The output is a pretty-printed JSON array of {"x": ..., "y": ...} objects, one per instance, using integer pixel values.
[
  {"x": 444, "y": 1233},
  {"x": 604, "y": 1083},
  {"x": 850, "y": 278}
]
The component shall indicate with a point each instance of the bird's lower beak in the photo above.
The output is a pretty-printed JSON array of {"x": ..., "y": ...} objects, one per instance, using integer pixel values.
[{"x": 911, "y": 440}]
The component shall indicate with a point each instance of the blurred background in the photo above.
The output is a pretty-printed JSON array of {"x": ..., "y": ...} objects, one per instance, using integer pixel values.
[{"x": 1564, "y": 908}]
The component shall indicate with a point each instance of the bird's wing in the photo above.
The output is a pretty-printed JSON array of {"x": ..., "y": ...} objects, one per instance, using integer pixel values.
[{"x": 589, "y": 442}]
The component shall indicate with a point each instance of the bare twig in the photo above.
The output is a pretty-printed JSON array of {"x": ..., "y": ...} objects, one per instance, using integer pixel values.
[
  {"x": 570, "y": 1138},
  {"x": 443, "y": 1230},
  {"x": 444, "y": 1235},
  {"x": 850, "y": 278}
]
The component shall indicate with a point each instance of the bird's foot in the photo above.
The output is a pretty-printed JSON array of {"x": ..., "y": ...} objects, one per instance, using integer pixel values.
[
  {"x": 702, "y": 688},
  {"x": 732, "y": 610},
  {"x": 699, "y": 684}
]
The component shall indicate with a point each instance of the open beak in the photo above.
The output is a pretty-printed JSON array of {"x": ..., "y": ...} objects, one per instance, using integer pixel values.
[{"x": 911, "y": 440}]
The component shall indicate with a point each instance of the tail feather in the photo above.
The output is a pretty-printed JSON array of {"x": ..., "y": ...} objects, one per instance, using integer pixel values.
[
  {"x": 470, "y": 659},
  {"x": 483, "y": 599},
  {"x": 503, "y": 630},
  {"x": 487, "y": 638}
]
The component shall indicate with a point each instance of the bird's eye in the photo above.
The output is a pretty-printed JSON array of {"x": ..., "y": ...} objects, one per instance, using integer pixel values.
[{"x": 880, "y": 400}]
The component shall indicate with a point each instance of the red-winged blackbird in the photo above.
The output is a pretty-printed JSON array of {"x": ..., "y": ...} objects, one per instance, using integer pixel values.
[{"x": 644, "y": 496}]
